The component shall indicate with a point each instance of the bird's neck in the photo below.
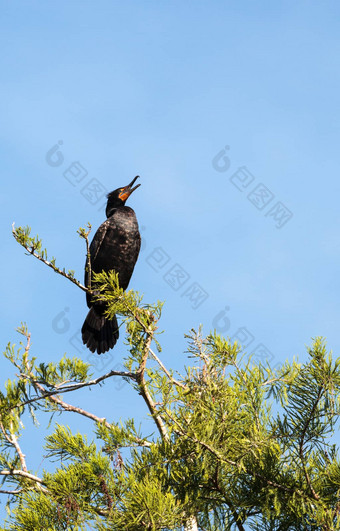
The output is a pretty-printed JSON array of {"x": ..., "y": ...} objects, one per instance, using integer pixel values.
[{"x": 111, "y": 209}]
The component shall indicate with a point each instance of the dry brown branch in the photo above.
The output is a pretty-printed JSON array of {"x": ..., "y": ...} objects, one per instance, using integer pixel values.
[
  {"x": 73, "y": 387},
  {"x": 145, "y": 391},
  {"x": 23, "y": 474},
  {"x": 12, "y": 439}
]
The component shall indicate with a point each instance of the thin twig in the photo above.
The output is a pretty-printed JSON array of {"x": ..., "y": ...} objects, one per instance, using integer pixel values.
[
  {"x": 2, "y": 491},
  {"x": 56, "y": 269},
  {"x": 269, "y": 382},
  {"x": 69, "y": 407},
  {"x": 23, "y": 474},
  {"x": 145, "y": 391},
  {"x": 238, "y": 522},
  {"x": 141, "y": 379},
  {"x": 88, "y": 259},
  {"x": 11, "y": 438},
  {"x": 80, "y": 411},
  {"x": 156, "y": 358},
  {"x": 74, "y": 386},
  {"x": 153, "y": 354}
]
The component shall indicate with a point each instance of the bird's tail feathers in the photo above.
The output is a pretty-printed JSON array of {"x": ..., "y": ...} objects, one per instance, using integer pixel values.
[{"x": 99, "y": 334}]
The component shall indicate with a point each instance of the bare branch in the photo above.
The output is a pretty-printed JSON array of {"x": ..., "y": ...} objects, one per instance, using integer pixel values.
[
  {"x": 23, "y": 474},
  {"x": 69, "y": 407},
  {"x": 145, "y": 391},
  {"x": 73, "y": 387},
  {"x": 153, "y": 354},
  {"x": 56, "y": 269},
  {"x": 83, "y": 412},
  {"x": 12, "y": 439},
  {"x": 156, "y": 358},
  {"x": 191, "y": 524},
  {"x": 14, "y": 492}
]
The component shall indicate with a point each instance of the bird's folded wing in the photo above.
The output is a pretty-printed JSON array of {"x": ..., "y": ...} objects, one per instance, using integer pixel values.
[
  {"x": 98, "y": 240},
  {"x": 95, "y": 246}
]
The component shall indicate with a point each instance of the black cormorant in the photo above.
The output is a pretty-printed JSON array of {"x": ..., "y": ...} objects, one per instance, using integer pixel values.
[{"x": 115, "y": 246}]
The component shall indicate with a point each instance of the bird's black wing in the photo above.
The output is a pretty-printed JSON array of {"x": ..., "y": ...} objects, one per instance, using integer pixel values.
[
  {"x": 95, "y": 246},
  {"x": 99, "y": 238},
  {"x": 138, "y": 244}
]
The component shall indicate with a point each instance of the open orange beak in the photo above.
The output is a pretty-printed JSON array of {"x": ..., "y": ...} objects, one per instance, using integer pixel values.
[{"x": 127, "y": 190}]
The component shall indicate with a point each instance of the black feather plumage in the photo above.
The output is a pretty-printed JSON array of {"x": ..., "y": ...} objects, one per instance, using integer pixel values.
[{"x": 115, "y": 246}]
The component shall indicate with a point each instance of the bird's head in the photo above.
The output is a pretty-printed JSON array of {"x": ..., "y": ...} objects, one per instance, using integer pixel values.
[{"x": 118, "y": 197}]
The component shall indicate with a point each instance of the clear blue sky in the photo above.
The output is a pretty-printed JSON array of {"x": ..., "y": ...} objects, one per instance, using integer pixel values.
[{"x": 159, "y": 89}]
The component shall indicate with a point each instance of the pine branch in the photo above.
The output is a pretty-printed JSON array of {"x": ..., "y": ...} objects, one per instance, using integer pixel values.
[
  {"x": 11, "y": 492},
  {"x": 191, "y": 524},
  {"x": 302, "y": 442},
  {"x": 69, "y": 407},
  {"x": 165, "y": 370},
  {"x": 180, "y": 431},
  {"x": 250, "y": 394},
  {"x": 221, "y": 422},
  {"x": 12, "y": 439},
  {"x": 153, "y": 354},
  {"x": 24, "y": 474},
  {"x": 72, "y": 387},
  {"x": 33, "y": 247},
  {"x": 238, "y": 523},
  {"x": 85, "y": 234},
  {"x": 140, "y": 378}
]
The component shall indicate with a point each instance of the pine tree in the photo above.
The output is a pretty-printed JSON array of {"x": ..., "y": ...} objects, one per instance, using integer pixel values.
[{"x": 237, "y": 444}]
